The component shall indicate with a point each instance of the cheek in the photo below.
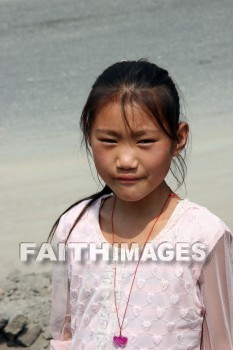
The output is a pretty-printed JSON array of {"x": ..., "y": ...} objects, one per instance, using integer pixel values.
[
  {"x": 159, "y": 160},
  {"x": 101, "y": 159}
]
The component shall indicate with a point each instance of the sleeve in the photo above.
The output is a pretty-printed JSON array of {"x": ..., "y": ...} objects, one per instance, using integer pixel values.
[
  {"x": 60, "y": 320},
  {"x": 216, "y": 286}
]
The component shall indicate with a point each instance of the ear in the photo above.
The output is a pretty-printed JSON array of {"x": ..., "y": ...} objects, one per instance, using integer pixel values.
[{"x": 182, "y": 136}]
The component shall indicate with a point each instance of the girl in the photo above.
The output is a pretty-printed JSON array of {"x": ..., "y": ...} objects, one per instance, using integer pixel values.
[{"x": 131, "y": 125}]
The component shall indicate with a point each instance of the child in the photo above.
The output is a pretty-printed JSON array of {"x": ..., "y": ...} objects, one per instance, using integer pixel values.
[{"x": 131, "y": 125}]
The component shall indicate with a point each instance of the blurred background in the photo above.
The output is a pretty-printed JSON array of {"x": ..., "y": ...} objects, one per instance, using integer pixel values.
[{"x": 50, "y": 54}]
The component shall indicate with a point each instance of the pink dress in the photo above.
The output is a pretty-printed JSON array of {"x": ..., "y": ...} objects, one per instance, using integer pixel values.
[{"x": 173, "y": 306}]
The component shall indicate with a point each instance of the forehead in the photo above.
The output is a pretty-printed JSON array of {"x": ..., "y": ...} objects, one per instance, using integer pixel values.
[{"x": 113, "y": 116}]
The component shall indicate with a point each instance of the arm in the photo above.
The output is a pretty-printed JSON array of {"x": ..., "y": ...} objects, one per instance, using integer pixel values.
[
  {"x": 60, "y": 321},
  {"x": 216, "y": 285}
]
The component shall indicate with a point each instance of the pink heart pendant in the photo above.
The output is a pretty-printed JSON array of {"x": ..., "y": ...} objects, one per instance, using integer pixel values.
[{"x": 120, "y": 341}]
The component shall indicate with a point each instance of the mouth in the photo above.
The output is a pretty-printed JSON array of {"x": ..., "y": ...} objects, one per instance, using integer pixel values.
[{"x": 129, "y": 180}]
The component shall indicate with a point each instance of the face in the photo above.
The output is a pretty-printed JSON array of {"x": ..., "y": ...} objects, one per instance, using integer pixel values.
[{"x": 133, "y": 163}]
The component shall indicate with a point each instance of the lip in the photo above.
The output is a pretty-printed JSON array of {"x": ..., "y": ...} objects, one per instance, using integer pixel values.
[{"x": 128, "y": 179}]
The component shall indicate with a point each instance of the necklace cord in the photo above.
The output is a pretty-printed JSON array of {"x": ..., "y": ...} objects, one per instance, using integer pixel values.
[{"x": 155, "y": 221}]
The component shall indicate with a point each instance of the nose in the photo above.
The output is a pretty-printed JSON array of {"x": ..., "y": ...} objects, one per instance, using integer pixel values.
[{"x": 126, "y": 159}]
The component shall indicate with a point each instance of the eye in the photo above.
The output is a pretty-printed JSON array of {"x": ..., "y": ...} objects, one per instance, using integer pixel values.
[
  {"x": 146, "y": 141},
  {"x": 107, "y": 140}
]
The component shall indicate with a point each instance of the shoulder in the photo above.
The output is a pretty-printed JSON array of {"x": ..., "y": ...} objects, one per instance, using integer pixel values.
[
  {"x": 69, "y": 217},
  {"x": 203, "y": 223},
  {"x": 203, "y": 215}
]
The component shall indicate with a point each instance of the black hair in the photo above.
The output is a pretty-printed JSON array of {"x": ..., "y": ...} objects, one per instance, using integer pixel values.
[{"x": 145, "y": 84}]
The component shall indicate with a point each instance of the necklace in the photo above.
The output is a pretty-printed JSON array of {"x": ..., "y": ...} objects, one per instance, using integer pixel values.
[{"x": 121, "y": 341}]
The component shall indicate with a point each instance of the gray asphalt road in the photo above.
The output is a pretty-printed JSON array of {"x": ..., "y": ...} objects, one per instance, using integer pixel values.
[{"x": 51, "y": 52}]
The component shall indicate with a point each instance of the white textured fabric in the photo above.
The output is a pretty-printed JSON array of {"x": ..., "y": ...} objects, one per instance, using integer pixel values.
[{"x": 173, "y": 306}]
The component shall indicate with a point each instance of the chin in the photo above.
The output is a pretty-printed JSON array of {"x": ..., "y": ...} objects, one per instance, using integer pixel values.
[{"x": 128, "y": 196}]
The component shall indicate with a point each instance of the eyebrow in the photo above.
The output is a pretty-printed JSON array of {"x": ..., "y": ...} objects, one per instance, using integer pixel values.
[{"x": 134, "y": 133}]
